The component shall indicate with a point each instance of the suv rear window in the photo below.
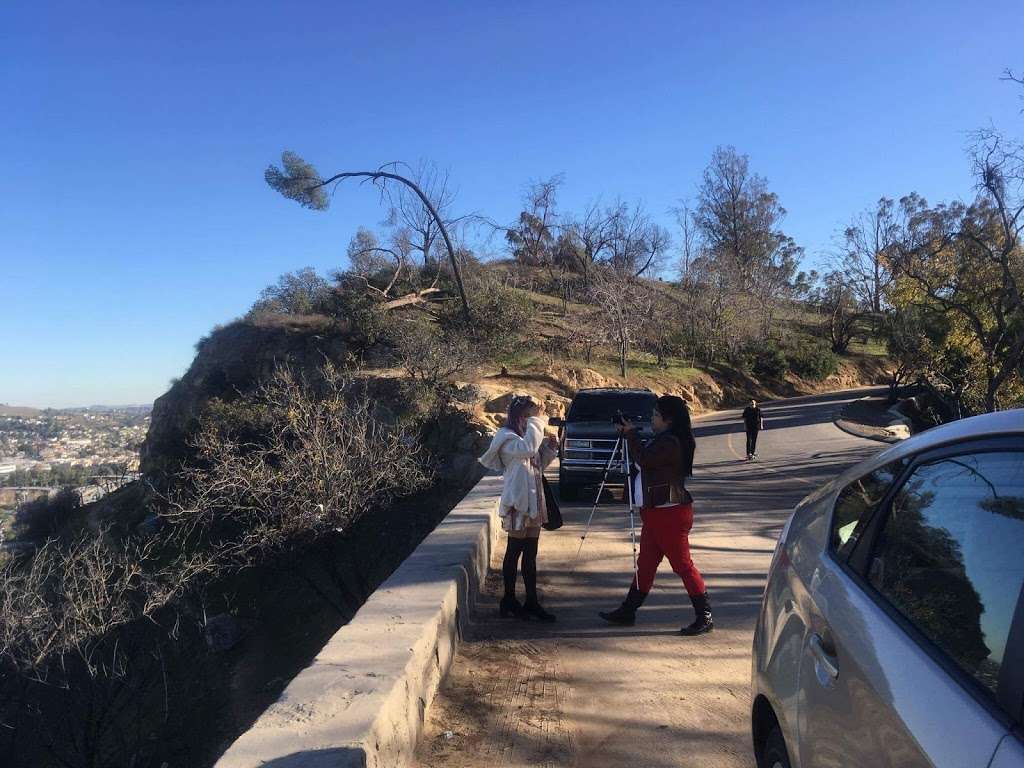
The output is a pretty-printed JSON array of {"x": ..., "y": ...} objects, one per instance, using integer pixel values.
[{"x": 592, "y": 406}]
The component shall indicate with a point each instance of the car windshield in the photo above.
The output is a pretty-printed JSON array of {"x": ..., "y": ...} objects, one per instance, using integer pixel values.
[{"x": 601, "y": 407}]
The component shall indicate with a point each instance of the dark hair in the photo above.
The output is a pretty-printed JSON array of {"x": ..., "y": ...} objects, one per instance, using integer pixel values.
[
  {"x": 516, "y": 419},
  {"x": 675, "y": 411}
]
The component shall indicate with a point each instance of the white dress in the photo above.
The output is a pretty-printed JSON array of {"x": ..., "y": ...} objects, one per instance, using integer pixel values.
[{"x": 520, "y": 460}]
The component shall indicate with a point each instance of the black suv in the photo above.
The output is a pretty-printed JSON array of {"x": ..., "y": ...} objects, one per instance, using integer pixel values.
[{"x": 587, "y": 435}]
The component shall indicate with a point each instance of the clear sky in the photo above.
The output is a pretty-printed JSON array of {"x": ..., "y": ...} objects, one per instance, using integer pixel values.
[{"x": 134, "y": 135}]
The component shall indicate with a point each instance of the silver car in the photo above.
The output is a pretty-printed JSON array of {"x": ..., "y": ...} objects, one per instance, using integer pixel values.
[{"x": 891, "y": 631}]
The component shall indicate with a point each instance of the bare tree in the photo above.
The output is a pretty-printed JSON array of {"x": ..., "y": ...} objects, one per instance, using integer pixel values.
[
  {"x": 866, "y": 253},
  {"x": 377, "y": 265},
  {"x": 298, "y": 180},
  {"x": 843, "y": 311},
  {"x": 413, "y": 221},
  {"x": 532, "y": 238},
  {"x": 625, "y": 309},
  {"x": 1009, "y": 76},
  {"x": 728, "y": 317},
  {"x": 738, "y": 219},
  {"x": 668, "y": 336},
  {"x": 618, "y": 236},
  {"x": 689, "y": 239},
  {"x": 637, "y": 245},
  {"x": 588, "y": 332},
  {"x": 589, "y": 239}
]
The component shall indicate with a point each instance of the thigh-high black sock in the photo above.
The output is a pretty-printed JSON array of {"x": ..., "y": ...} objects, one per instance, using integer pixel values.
[
  {"x": 510, "y": 565},
  {"x": 530, "y": 569}
]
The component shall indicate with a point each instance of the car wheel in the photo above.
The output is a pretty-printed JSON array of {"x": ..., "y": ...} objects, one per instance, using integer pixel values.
[
  {"x": 568, "y": 491},
  {"x": 775, "y": 755}
]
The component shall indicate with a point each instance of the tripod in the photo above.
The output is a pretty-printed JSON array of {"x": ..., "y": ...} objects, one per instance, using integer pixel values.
[{"x": 621, "y": 446}]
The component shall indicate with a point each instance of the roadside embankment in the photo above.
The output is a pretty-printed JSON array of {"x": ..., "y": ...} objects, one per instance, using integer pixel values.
[{"x": 363, "y": 699}]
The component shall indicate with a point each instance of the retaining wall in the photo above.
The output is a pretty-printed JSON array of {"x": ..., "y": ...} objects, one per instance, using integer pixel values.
[{"x": 362, "y": 700}]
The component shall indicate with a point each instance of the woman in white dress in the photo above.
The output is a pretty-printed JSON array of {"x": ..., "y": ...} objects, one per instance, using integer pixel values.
[{"x": 520, "y": 452}]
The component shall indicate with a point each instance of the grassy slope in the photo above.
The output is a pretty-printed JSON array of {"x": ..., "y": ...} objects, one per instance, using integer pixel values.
[{"x": 543, "y": 367}]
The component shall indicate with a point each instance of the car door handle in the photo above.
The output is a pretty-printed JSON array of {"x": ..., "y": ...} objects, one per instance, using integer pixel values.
[{"x": 825, "y": 661}]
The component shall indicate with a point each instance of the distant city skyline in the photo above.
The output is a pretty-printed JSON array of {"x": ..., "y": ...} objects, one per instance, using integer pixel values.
[{"x": 135, "y": 216}]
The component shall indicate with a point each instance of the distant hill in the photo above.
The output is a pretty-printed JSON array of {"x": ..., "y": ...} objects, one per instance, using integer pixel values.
[
  {"x": 19, "y": 411},
  {"x": 28, "y": 413},
  {"x": 110, "y": 409}
]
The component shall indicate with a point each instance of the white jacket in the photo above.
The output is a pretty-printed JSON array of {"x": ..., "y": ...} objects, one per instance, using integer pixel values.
[{"x": 510, "y": 454}]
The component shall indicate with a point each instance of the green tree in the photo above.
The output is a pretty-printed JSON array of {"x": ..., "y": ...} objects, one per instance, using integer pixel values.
[
  {"x": 295, "y": 293},
  {"x": 965, "y": 263}
]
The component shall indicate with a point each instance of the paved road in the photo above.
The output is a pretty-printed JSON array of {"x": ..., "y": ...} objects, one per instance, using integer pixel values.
[{"x": 582, "y": 693}]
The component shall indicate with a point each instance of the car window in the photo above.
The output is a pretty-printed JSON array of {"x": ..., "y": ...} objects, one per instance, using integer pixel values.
[
  {"x": 636, "y": 406},
  {"x": 950, "y": 557},
  {"x": 854, "y": 504}
]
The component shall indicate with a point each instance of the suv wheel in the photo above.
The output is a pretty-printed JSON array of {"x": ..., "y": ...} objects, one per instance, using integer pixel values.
[{"x": 775, "y": 755}]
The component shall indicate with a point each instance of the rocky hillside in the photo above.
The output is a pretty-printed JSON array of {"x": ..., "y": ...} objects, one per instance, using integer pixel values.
[
  {"x": 231, "y": 360},
  {"x": 234, "y": 358}
]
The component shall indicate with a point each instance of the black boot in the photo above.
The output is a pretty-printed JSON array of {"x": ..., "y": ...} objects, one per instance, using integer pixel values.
[
  {"x": 509, "y": 607},
  {"x": 703, "y": 622},
  {"x": 625, "y": 614},
  {"x": 532, "y": 609}
]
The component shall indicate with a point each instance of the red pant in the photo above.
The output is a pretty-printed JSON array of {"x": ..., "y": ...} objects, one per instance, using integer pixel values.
[{"x": 665, "y": 533}]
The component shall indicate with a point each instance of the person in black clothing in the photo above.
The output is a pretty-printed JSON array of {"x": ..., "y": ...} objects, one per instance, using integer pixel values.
[{"x": 753, "y": 420}]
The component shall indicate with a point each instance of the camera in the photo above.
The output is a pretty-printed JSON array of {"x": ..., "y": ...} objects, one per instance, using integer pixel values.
[{"x": 619, "y": 419}]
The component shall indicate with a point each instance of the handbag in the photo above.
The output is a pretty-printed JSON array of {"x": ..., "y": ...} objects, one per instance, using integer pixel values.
[{"x": 554, "y": 513}]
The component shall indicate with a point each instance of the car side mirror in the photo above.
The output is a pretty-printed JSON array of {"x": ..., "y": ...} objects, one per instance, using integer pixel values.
[{"x": 556, "y": 421}]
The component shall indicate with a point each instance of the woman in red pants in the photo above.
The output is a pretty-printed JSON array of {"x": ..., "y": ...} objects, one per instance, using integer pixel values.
[{"x": 658, "y": 476}]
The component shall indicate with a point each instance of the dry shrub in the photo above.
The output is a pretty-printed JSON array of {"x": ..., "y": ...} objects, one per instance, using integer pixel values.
[
  {"x": 65, "y": 599},
  {"x": 42, "y": 519},
  {"x": 90, "y": 625},
  {"x": 431, "y": 357},
  {"x": 318, "y": 461}
]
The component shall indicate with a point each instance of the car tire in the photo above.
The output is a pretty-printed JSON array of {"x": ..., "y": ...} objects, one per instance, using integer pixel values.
[
  {"x": 568, "y": 491},
  {"x": 775, "y": 754}
]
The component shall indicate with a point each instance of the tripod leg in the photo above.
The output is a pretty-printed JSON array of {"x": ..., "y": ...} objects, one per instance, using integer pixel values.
[
  {"x": 632, "y": 520},
  {"x": 604, "y": 479}
]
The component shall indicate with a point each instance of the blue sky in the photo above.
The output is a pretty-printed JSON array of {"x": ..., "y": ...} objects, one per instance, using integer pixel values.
[{"x": 134, "y": 137}]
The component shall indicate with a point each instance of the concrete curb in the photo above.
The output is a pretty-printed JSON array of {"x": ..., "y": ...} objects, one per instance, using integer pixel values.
[
  {"x": 852, "y": 428},
  {"x": 363, "y": 699},
  {"x": 898, "y": 429}
]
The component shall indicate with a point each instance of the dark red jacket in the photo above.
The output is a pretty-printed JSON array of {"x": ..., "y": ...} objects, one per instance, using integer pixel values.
[{"x": 666, "y": 464}]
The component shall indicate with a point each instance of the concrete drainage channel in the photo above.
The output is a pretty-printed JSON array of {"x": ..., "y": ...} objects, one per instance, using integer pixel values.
[{"x": 363, "y": 699}]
